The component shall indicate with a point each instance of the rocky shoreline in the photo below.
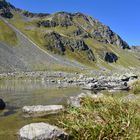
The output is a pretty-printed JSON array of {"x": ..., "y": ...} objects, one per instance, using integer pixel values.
[{"x": 90, "y": 81}]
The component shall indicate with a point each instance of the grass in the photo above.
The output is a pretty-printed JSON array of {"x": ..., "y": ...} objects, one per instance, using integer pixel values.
[
  {"x": 103, "y": 119},
  {"x": 7, "y": 35},
  {"x": 136, "y": 87},
  {"x": 59, "y": 67}
]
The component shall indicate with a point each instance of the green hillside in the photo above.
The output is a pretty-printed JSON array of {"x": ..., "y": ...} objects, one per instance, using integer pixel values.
[
  {"x": 72, "y": 36},
  {"x": 44, "y": 35},
  {"x": 7, "y": 34}
]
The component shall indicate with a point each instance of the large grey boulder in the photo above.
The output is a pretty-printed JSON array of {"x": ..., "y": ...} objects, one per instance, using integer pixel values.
[
  {"x": 41, "y": 131},
  {"x": 2, "y": 104},
  {"x": 40, "y": 110}
]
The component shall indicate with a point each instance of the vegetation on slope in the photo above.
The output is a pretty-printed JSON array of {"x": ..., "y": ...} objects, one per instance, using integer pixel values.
[
  {"x": 136, "y": 87},
  {"x": 38, "y": 28},
  {"x": 104, "y": 118},
  {"x": 104, "y": 48},
  {"x": 7, "y": 35}
]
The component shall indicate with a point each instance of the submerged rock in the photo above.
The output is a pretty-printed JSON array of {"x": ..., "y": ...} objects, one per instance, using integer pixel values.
[
  {"x": 40, "y": 111},
  {"x": 41, "y": 131},
  {"x": 2, "y": 104}
]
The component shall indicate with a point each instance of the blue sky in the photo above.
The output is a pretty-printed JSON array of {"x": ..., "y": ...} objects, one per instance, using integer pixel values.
[{"x": 121, "y": 15}]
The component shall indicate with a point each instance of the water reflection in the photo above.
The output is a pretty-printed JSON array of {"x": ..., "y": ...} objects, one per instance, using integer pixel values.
[{"x": 18, "y": 93}]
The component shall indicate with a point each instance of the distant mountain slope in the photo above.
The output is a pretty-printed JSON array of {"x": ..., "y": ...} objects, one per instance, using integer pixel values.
[
  {"x": 25, "y": 55},
  {"x": 53, "y": 41}
]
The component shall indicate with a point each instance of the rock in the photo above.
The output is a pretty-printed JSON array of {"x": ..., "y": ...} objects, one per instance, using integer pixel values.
[
  {"x": 59, "y": 19},
  {"x": 94, "y": 86},
  {"x": 78, "y": 32},
  {"x": 59, "y": 43},
  {"x": 109, "y": 83},
  {"x": 40, "y": 111},
  {"x": 90, "y": 86},
  {"x": 128, "y": 76},
  {"x": 63, "y": 19},
  {"x": 76, "y": 101},
  {"x": 41, "y": 131},
  {"x": 5, "y": 9},
  {"x": 47, "y": 23},
  {"x": 2, "y": 104},
  {"x": 110, "y": 57},
  {"x": 105, "y": 35},
  {"x": 129, "y": 98}
]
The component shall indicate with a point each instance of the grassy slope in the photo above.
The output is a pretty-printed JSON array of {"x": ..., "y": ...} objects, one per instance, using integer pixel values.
[
  {"x": 37, "y": 35},
  {"x": 7, "y": 35},
  {"x": 127, "y": 59}
]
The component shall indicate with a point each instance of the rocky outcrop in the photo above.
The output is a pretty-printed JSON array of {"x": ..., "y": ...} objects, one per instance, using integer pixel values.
[
  {"x": 89, "y": 27},
  {"x": 63, "y": 19},
  {"x": 110, "y": 57},
  {"x": 59, "y": 44},
  {"x": 59, "y": 19},
  {"x": 41, "y": 131},
  {"x": 41, "y": 111},
  {"x": 5, "y": 9},
  {"x": 105, "y": 35},
  {"x": 47, "y": 23},
  {"x": 2, "y": 104}
]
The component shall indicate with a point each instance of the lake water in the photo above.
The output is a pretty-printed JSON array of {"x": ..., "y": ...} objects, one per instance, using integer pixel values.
[{"x": 18, "y": 93}]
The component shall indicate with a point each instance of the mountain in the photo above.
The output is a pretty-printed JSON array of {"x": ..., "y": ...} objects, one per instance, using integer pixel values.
[{"x": 38, "y": 41}]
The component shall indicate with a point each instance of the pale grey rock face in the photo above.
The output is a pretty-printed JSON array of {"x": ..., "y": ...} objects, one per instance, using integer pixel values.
[
  {"x": 41, "y": 131},
  {"x": 40, "y": 111}
]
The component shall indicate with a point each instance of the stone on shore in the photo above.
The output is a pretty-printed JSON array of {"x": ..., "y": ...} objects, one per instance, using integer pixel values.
[
  {"x": 76, "y": 101},
  {"x": 41, "y": 131},
  {"x": 40, "y": 110},
  {"x": 2, "y": 104},
  {"x": 130, "y": 98}
]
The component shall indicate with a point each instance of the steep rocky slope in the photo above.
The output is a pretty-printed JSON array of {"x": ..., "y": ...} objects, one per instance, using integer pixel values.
[{"x": 64, "y": 39}]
